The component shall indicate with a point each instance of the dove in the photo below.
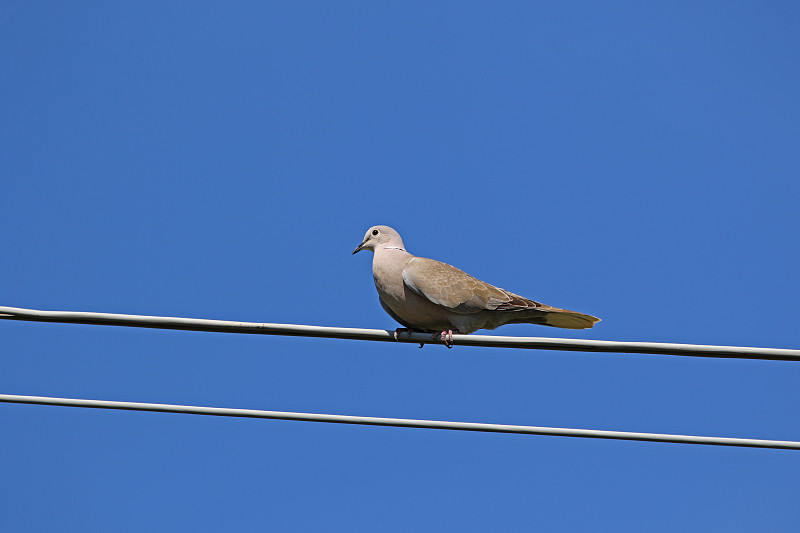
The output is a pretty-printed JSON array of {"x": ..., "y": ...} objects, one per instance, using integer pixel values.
[{"x": 429, "y": 296}]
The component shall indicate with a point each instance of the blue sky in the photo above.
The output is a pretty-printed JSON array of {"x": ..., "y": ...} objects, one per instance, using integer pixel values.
[{"x": 635, "y": 161}]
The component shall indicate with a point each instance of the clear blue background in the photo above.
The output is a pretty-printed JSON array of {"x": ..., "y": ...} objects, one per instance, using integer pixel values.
[{"x": 221, "y": 160}]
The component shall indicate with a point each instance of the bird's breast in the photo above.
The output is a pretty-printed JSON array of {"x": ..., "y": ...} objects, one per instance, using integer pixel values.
[
  {"x": 387, "y": 271},
  {"x": 409, "y": 307}
]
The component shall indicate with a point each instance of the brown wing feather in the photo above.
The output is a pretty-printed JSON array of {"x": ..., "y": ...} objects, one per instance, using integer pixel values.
[
  {"x": 453, "y": 288},
  {"x": 450, "y": 287}
]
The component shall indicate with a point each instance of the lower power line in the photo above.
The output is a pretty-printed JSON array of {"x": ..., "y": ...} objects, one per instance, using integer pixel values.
[{"x": 401, "y": 422}]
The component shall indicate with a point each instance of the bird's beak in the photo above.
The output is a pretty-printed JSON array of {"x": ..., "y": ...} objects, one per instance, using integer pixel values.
[{"x": 359, "y": 247}]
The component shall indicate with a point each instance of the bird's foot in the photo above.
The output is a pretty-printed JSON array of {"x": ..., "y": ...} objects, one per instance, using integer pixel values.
[
  {"x": 398, "y": 331},
  {"x": 447, "y": 337}
]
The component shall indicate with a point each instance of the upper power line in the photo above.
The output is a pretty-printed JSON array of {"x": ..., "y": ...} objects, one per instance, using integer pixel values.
[{"x": 541, "y": 343}]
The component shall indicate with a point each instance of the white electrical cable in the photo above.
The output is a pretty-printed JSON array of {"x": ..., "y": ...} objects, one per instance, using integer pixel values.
[
  {"x": 541, "y": 343},
  {"x": 402, "y": 422}
]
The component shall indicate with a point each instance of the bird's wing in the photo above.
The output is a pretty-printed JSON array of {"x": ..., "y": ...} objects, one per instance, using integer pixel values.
[{"x": 456, "y": 290}]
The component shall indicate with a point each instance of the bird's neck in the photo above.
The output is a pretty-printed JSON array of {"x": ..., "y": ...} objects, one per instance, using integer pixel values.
[{"x": 390, "y": 256}]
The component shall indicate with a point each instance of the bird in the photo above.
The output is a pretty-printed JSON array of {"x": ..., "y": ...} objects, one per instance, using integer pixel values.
[{"x": 426, "y": 295}]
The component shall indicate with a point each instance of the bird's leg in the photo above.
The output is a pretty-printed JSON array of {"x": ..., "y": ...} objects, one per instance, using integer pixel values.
[
  {"x": 398, "y": 331},
  {"x": 447, "y": 337}
]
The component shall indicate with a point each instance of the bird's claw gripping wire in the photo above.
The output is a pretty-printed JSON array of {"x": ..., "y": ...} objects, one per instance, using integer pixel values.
[
  {"x": 398, "y": 331},
  {"x": 447, "y": 338}
]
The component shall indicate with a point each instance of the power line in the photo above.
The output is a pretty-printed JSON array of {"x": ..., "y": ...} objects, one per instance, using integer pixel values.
[
  {"x": 402, "y": 422},
  {"x": 540, "y": 343}
]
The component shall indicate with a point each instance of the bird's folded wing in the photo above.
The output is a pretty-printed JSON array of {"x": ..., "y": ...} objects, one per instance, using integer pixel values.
[{"x": 452, "y": 288}]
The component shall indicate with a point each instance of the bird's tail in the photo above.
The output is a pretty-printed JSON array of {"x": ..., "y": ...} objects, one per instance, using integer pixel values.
[
  {"x": 524, "y": 311},
  {"x": 562, "y": 318}
]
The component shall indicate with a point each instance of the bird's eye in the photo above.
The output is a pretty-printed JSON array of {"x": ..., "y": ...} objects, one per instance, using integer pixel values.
[{"x": 375, "y": 232}]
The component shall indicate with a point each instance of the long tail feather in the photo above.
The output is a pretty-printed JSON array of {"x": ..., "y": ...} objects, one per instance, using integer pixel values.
[{"x": 561, "y": 318}]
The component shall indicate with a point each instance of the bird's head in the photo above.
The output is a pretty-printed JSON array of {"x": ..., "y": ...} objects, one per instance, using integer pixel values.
[{"x": 380, "y": 237}]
